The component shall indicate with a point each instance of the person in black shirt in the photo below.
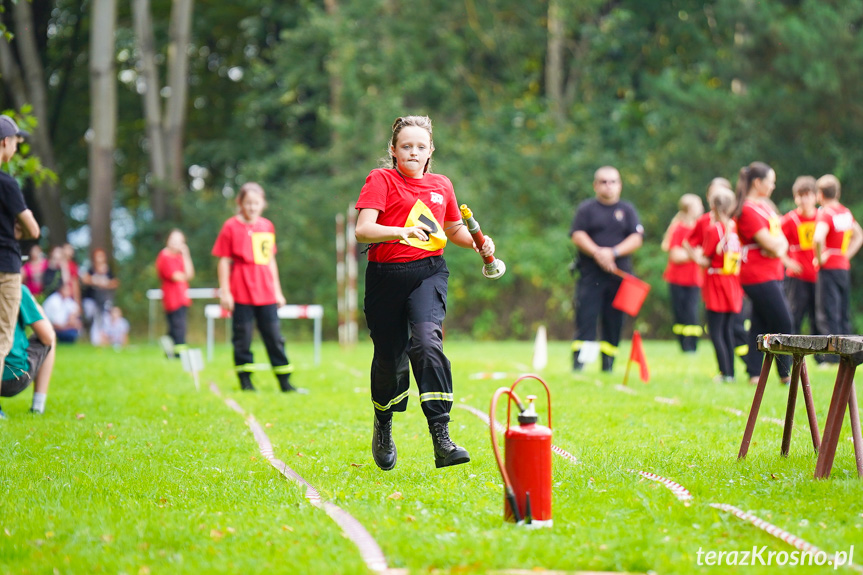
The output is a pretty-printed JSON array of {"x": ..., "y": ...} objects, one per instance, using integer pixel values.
[
  {"x": 16, "y": 222},
  {"x": 606, "y": 230}
]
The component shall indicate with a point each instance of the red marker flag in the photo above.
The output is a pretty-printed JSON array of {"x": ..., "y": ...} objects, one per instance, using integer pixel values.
[{"x": 637, "y": 355}]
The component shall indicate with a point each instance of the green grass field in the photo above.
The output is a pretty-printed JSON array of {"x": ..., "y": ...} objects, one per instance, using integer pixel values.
[{"x": 132, "y": 471}]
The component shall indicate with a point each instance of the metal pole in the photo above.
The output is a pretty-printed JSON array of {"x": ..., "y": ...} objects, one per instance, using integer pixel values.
[
  {"x": 351, "y": 260},
  {"x": 340, "y": 276}
]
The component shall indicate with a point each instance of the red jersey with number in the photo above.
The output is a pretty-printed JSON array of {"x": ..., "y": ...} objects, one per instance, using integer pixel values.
[
  {"x": 685, "y": 274},
  {"x": 250, "y": 247},
  {"x": 405, "y": 202},
  {"x": 756, "y": 267},
  {"x": 173, "y": 292},
  {"x": 800, "y": 231},
  {"x": 722, "y": 291},
  {"x": 840, "y": 224}
]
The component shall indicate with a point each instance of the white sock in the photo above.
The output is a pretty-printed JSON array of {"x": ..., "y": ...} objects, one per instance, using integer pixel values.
[{"x": 39, "y": 401}]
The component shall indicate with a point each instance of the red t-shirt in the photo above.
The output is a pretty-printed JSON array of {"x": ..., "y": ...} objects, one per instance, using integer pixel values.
[
  {"x": 404, "y": 202},
  {"x": 800, "y": 230},
  {"x": 696, "y": 235},
  {"x": 756, "y": 267},
  {"x": 251, "y": 247},
  {"x": 722, "y": 291},
  {"x": 840, "y": 222},
  {"x": 685, "y": 274},
  {"x": 173, "y": 292}
]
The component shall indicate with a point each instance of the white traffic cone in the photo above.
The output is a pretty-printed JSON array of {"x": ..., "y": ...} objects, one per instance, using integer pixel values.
[{"x": 540, "y": 349}]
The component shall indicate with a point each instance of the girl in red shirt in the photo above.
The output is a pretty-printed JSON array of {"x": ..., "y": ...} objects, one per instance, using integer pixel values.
[
  {"x": 175, "y": 269},
  {"x": 683, "y": 274},
  {"x": 249, "y": 285},
  {"x": 723, "y": 296},
  {"x": 408, "y": 214},
  {"x": 762, "y": 269}
]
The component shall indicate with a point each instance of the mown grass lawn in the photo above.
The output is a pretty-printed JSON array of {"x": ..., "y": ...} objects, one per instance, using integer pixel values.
[{"x": 132, "y": 471}]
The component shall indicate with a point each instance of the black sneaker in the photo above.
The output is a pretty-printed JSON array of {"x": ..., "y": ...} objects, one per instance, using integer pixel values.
[
  {"x": 383, "y": 447},
  {"x": 446, "y": 452}
]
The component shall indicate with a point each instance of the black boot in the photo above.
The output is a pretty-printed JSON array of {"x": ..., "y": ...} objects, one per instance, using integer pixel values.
[
  {"x": 285, "y": 382},
  {"x": 383, "y": 447},
  {"x": 576, "y": 365},
  {"x": 246, "y": 381},
  {"x": 446, "y": 452}
]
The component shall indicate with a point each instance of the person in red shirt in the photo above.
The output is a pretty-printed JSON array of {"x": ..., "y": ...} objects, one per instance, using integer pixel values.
[
  {"x": 723, "y": 296},
  {"x": 693, "y": 245},
  {"x": 762, "y": 271},
  {"x": 408, "y": 214},
  {"x": 249, "y": 285},
  {"x": 683, "y": 274},
  {"x": 798, "y": 225},
  {"x": 693, "y": 242},
  {"x": 838, "y": 238},
  {"x": 175, "y": 269}
]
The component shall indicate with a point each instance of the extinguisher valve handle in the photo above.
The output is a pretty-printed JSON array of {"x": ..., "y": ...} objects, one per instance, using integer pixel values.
[{"x": 528, "y": 414}]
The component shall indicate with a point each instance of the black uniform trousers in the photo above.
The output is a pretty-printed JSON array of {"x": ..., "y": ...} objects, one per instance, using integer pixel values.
[
  {"x": 832, "y": 305},
  {"x": 720, "y": 326},
  {"x": 594, "y": 292},
  {"x": 405, "y": 306},
  {"x": 770, "y": 314},
  {"x": 177, "y": 324},
  {"x": 684, "y": 307},
  {"x": 267, "y": 319},
  {"x": 801, "y": 298}
]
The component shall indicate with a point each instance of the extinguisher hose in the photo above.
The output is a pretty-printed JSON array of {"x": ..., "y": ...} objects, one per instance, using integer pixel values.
[
  {"x": 507, "y": 484},
  {"x": 475, "y": 231}
]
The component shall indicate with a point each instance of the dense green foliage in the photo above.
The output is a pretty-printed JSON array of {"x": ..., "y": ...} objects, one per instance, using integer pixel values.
[
  {"x": 130, "y": 470},
  {"x": 300, "y": 96}
]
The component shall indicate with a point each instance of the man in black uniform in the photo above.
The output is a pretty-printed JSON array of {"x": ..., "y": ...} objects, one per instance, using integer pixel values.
[{"x": 606, "y": 231}]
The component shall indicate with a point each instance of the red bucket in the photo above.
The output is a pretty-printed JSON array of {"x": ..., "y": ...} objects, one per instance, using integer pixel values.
[{"x": 631, "y": 294}]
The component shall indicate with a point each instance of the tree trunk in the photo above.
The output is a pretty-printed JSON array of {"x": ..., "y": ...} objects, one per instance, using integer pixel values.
[
  {"x": 165, "y": 133},
  {"x": 554, "y": 60},
  {"x": 334, "y": 70},
  {"x": 152, "y": 104},
  {"x": 178, "y": 84},
  {"x": 30, "y": 89},
  {"x": 103, "y": 118}
]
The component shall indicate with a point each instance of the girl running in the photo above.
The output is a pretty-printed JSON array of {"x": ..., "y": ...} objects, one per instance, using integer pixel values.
[{"x": 408, "y": 214}]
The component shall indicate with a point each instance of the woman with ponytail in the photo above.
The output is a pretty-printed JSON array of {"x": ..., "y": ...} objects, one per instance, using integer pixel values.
[{"x": 762, "y": 270}]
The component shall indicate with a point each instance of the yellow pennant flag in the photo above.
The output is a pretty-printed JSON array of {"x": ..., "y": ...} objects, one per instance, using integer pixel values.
[{"x": 422, "y": 214}]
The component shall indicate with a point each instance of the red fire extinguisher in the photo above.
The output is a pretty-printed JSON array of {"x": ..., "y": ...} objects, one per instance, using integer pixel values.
[{"x": 527, "y": 471}]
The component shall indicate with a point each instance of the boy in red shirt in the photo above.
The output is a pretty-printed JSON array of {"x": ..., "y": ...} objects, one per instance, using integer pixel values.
[
  {"x": 798, "y": 225},
  {"x": 838, "y": 238}
]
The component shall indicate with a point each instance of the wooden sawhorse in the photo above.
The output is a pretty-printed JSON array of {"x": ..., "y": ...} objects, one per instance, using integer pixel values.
[{"x": 849, "y": 348}]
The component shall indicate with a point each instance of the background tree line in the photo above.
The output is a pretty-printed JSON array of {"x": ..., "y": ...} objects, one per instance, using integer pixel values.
[{"x": 527, "y": 98}]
